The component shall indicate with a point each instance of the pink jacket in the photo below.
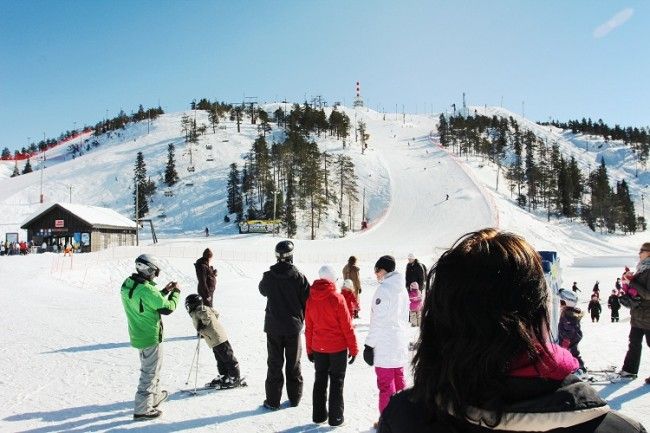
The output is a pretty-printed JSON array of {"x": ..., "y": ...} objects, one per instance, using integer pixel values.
[{"x": 416, "y": 300}]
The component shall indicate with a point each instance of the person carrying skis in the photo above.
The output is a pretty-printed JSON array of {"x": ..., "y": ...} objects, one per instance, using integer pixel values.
[
  {"x": 594, "y": 308},
  {"x": 330, "y": 343},
  {"x": 286, "y": 291},
  {"x": 143, "y": 304},
  {"x": 614, "y": 305},
  {"x": 568, "y": 329},
  {"x": 206, "y": 276},
  {"x": 206, "y": 322},
  {"x": 386, "y": 346}
]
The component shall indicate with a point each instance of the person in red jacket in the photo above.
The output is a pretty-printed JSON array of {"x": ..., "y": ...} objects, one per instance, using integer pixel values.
[
  {"x": 330, "y": 341},
  {"x": 350, "y": 298}
]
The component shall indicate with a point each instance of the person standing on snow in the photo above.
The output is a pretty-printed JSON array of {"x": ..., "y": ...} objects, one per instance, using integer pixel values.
[
  {"x": 594, "y": 308},
  {"x": 639, "y": 314},
  {"x": 386, "y": 345},
  {"x": 614, "y": 305},
  {"x": 330, "y": 342},
  {"x": 286, "y": 291},
  {"x": 351, "y": 272},
  {"x": 415, "y": 272},
  {"x": 143, "y": 304},
  {"x": 207, "y": 277}
]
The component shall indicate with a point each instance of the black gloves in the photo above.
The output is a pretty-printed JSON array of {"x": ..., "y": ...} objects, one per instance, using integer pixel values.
[
  {"x": 369, "y": 355},
  {"x": 351, "y": 359},
  {"x": 310, "y": 357}
]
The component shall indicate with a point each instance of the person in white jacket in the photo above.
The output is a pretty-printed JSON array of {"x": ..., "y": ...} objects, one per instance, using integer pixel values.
[{"x": 386, "y": 345}]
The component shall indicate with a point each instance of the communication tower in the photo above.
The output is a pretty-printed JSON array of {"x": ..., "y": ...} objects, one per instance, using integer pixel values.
[{"x": 358, "y": 100}]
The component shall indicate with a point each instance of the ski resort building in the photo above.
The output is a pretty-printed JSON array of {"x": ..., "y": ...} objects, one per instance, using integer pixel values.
[{"x": 86, "y": 228}]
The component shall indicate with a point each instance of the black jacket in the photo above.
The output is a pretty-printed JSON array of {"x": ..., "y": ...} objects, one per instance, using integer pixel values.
[
  {"x": 538, "y": 405},
  {"x": 286, "y": 291},
  {"x": 614, "y": 303},
  {"x": 417, "y": 272}
]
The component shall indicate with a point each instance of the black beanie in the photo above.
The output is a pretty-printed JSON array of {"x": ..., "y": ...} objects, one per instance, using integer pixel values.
[{"x": 387, "y": 263}]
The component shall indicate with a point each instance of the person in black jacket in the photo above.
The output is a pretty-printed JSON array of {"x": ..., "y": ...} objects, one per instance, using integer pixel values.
[
  {"x": 415, "y": 271},
  {"x": 614, "y": 304},
  {"x": 483, "y": 360},
  {"x": 286, "y": 291},
  {"x": 207, "y": 277},
  {"x": 594, "y": 308}
]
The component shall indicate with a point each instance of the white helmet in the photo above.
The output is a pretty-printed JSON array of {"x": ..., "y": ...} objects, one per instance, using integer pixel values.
[{"x": 147, "y": 265}]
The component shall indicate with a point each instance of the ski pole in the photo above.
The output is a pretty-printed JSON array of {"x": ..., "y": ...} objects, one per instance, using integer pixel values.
[
  {"x": 196, "y": 370},
  {"x": 193, "y": 358}
]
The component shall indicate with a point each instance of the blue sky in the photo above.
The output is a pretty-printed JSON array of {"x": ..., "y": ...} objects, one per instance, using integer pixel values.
[{"x": 64, "y": 63}]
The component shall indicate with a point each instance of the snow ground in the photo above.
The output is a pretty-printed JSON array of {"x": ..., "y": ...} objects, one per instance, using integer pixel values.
[{"x": 65, "y": 355}]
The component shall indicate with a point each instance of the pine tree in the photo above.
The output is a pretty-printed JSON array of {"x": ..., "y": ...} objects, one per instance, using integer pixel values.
[
  {"x": 290, "y": 208},
  {"x": 171, "y": 176},
  {"x": 16, "y": 172},
  {"x": 213, "y": 117},
  {"x": 28, "y": 167},
  {"x": 234, "y": 201},
  {"x": 145, "y": 186},
  {"x": 6, "y": 153},
  {"x": 626, "y": 215}
]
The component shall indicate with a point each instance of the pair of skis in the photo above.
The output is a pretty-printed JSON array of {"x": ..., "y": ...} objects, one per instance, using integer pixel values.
[
  {"x": 207, "y": 387},
  {"x": 605, "y": 376}
]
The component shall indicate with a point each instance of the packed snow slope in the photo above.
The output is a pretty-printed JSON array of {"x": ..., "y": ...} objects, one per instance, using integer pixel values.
[{"x": 66, "y": 359}]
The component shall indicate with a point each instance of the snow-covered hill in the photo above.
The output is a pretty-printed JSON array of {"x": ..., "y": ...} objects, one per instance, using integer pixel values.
[{"x": 66, "y": 359}]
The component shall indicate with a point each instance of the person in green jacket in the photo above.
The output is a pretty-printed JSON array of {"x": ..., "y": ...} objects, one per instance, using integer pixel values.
[{"x": 143, "y": 304}]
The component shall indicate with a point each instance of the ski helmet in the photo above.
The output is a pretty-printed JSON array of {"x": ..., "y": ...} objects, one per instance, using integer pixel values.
[
  {"x": 147, "y": 265},
  {"x": 284, "y": 251},
  {"x": 192, "y": 302}
]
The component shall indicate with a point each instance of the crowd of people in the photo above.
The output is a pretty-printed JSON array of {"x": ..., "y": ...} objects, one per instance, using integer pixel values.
[
  {"x": 15, "y": 248},
  {"x": 489, "y": 365}
]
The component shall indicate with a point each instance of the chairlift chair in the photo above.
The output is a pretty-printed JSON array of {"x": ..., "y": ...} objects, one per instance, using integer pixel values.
[
  {"x": 169, "y": 193},
  {"x": 190, "y": 169}
]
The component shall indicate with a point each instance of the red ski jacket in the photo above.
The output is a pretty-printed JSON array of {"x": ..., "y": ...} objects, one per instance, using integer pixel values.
[{"x": 328, "y": 328}]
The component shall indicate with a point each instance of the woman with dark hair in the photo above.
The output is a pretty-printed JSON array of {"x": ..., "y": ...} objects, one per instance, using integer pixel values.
[
  {"x": 207, "y": 277},
  {"x": 484, "y": 360}
]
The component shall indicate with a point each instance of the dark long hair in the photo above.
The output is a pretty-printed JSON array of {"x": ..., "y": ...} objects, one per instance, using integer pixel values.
[{"x": 487, "y": 305}]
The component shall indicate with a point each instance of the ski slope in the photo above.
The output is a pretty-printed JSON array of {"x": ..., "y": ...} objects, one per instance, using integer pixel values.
[{"x": 65, "y": 355}]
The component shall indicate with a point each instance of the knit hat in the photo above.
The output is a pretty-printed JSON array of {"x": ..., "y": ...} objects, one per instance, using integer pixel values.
[
  {"x": 411, "y": 256},
  {"x": 387, "y": 263},
  {"x": 414, "y": 286},
  {"x": 348, "y": 284},
  {"x": 326, "y": 272},
  {"x": 569, "y": 298}
]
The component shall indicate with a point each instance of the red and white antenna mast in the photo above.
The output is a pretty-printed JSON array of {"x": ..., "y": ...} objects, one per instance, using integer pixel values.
[{"x": 358, "y": 100}]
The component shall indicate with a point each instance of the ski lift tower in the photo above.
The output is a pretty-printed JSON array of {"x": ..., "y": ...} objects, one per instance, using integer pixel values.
[{"x": 358, "y": 100}]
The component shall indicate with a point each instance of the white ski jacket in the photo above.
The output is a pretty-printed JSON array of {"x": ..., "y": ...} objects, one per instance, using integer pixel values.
[{"x": 389, "y": 323}]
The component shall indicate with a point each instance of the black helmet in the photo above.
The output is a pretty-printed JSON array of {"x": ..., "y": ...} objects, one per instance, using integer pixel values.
[
  {"x": 284, "y": 251},
  {"x": 192, "y": 302},
  {"x": 147, "y": 265}
]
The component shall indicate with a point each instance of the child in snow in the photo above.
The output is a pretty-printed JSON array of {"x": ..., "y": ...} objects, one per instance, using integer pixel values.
[
  {"x": 206, "y": 322},
  {"x": 350, "y": 299},
  {"x": 594, "y": 308},
  {"x": 625, "y": 283},
  {"x": 569, "y": 331},
  {"x": 596, "y": 290},
  {"x": 614, "y": 305},
  {"x": 415, "y": 305}
]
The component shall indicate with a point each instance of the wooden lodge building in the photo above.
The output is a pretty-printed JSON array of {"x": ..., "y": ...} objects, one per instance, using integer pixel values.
[{"x": 86, "y": 228}]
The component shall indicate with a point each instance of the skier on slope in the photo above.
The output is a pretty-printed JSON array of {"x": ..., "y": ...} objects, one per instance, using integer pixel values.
[
  {"x": 206, "y": 322},
  {"x": 143, "y": 304},
  {"x": 569, "y": 331}
]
